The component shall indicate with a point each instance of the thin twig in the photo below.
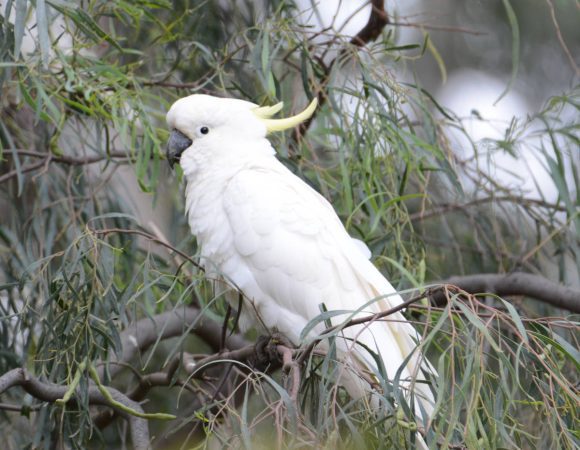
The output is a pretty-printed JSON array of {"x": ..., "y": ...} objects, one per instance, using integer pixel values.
[
  {"x": 561, "y": 38},
  {"x": 450, "y": 29},
  {"x": 15, "y": 172},
  {"x": 150, "y": 237},
  {"x": 445, "y": 208},
  {"x": 22, "y": 409},
  {"x": 361, "y": 320},
  {"x": 67, "y": 160},
  {"x": 73, "y": 161}
]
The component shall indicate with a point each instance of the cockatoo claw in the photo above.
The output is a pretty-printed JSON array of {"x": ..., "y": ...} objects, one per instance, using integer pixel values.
[{"x": 267, "y": 354}]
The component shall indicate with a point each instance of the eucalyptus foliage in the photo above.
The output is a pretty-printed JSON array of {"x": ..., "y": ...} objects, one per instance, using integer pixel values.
[{"x": 84, "y": 88}]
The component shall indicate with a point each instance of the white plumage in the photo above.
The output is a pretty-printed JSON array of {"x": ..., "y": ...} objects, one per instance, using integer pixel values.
[{"x": 276, "y": 239}]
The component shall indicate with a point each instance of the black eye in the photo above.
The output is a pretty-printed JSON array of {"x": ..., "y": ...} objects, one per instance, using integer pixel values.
[{"x": 204, "y": 130}]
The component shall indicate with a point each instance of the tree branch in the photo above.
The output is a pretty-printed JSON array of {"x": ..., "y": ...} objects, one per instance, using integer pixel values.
[
  {"x": 48, "y": 158},
  {"x": 243, "y": 354},
  {"x": 50, "y": 392},
  {"x": 561, "y": 38},
  {"x": 30, "y": 168},
  {"x": 150, "y": 237},
  {"x": 364, "y": 319},
  {"x": 139, "y": 336},
  {"x": 374, "y": 27},
  {"x": 518, "y": 283},
  {"x": 73, "y": 161}
]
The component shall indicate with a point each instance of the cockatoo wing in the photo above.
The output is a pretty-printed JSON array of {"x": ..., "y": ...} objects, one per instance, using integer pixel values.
[{"x": 292, "y": 253}]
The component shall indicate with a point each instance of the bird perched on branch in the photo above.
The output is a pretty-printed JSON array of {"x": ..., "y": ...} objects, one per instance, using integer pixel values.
[{"x": 265, "y": 232}]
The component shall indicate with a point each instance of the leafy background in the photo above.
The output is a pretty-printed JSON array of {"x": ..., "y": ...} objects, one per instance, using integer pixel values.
[{"x": 94, "y": 237}]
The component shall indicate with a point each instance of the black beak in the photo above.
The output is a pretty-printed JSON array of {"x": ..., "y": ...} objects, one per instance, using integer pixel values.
[{"x": 177, "y": 144}]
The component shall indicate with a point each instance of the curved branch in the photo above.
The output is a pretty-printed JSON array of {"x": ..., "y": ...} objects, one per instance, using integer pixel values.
[
  {"x": 50, "y": 392},
  {"x": 518, "y": 283},
  {"x": 141, "y": 335},
  {"x": 374, "y": 27}
]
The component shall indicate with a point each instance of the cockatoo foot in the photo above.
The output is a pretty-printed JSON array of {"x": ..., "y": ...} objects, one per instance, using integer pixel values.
[{"x": 267, "y": 354}]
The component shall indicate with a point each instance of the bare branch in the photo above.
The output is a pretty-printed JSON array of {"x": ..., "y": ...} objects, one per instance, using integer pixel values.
[
  {"x": 242, "y": 354},
  {"x": 561, "y": 38},
  {"x": 145, "y": 332},
  {"x": 73, "y": 161},
  {"x": 50, "y": 392},
  {"x": 518, "y": 283},
  {"x": 48, "y": 158},
  {"x": 374, "y": 27}
]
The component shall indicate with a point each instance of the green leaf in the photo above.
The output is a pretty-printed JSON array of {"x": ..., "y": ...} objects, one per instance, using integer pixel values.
[
  {"x": 516, "y": 319},
  {"x": 43, "y": 37},
  {"x": 513, "y": 21},
  {"x": 439, "y": 59},
  {"x": 19, "y": 23},
  {"x": 85, "y": 22}
]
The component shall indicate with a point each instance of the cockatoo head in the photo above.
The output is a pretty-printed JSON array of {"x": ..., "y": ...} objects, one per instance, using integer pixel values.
[{"x": 204, "y": 127}]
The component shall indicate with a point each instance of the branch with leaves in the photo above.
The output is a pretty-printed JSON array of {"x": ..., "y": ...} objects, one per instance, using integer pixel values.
[
  {"x": 50, "y": 392},
  {"x": 118, "y": 157},
  {"x": 377, "y": 21}
]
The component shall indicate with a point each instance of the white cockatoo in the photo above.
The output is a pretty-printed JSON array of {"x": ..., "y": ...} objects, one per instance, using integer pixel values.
[{"x": 265, "y": 232}]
